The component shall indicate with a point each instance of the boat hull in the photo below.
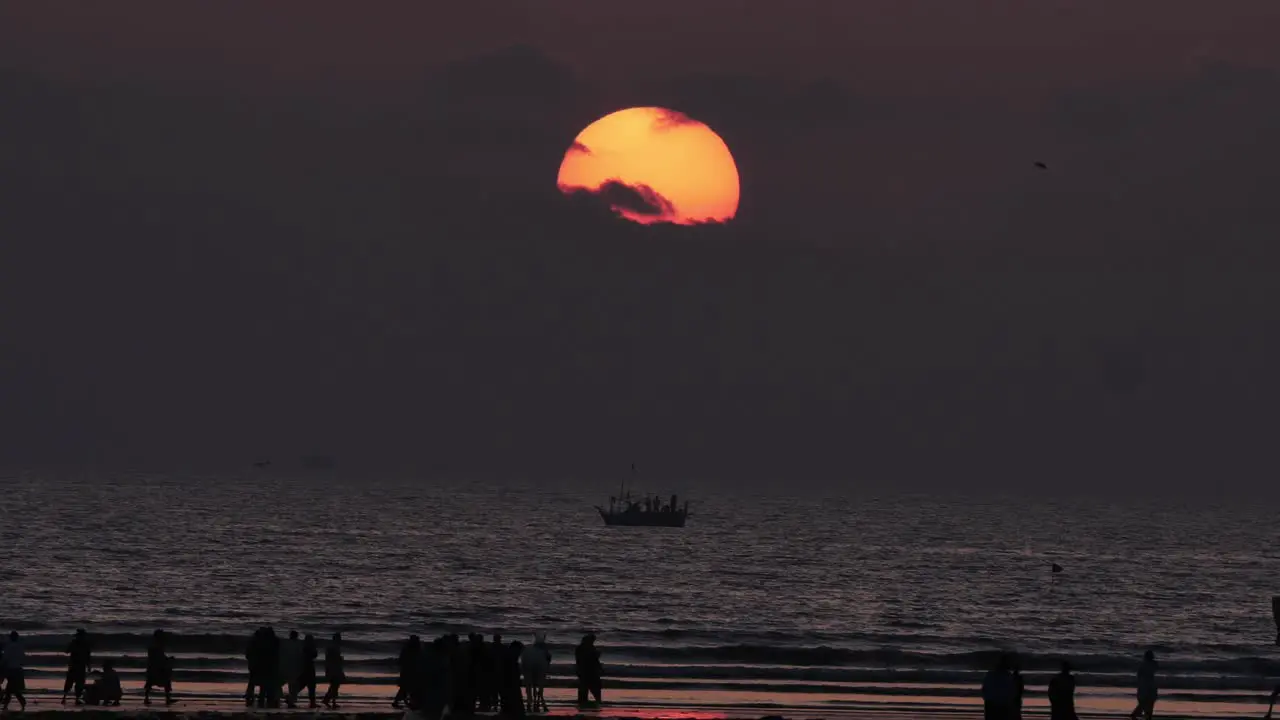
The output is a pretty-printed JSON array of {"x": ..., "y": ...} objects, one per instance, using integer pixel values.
[{"x": 643, "y": 519}]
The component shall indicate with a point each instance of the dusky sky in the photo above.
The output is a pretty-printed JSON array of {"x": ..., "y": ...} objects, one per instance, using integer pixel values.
[{"x": 250, "y": 229}]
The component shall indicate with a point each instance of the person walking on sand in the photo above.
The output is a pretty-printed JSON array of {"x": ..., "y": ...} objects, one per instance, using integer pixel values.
[
  {"x": 463, "y": 697},
  {"x": 495, "y": 671},
  {"x": 587, "y": 664},
  {"x": 1147, "y": 691},
  {"x": 482, "y": 671},
  {"x": 333, "y": 671},
  {"x": 1019, "y": 689},
  {"x": 308, "y": 678},
  {"x": 270, "y": 668},
  {"x": 159, "y": 670},
  {"x": 256, "y": 656},
  {"x": 535, "y": 663},
  {"x": 432, "y": 684},
  {"x": 77, "y": 666},
  {"x": 1062, "y": 694},
  {"x": 511, "y": 696},
  {"x": 290, "y": 664},
  {"x": 998, "y": 690},
  {"x": 410, "y": 654},
  {"x": 15, "y": 656}
]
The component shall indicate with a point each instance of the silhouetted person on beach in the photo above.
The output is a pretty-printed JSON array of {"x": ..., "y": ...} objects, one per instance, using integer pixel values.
[
  {"x": 511, "y": 692},
  {"x": 998, "y": 690},
  {"x": 463, "y": 702},
  {"x": 334, "y": 673},
  {"x": 270, "y": 668},
  {"x": 255, "y": 657},
  {"x": 483, "y": 670},
  {"x": 408, "y": 664},
  {"x": 1019, "y": 688},
  {"x": 290, "y": 668},
  {"x": 495, "y": 671},
  {"x": 432, "y": 681},
  {"x": 263, "y": 657},
  {"x": 307, "y": 679},
  {"x": 535, "y": 663},
  {"x": 1062, "y": 694},
  {"x": 77, "y": 666},
  {"x": 105, "y": 690},
  {"x": 159, "y": 670},
  {"x": 1147, "y": 690},
  {"x": 587, "y": 660},
  {"x": 15, "y": 657},
  {"x": 111, "y": 691}
]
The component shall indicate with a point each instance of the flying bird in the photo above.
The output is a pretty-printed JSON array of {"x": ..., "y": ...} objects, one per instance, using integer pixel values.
[
  {"x": 1041, "y": 165},
  {"x": 261, "y": 464}
]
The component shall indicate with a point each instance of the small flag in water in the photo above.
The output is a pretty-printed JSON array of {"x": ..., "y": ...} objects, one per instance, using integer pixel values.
[{"x": 1057, "y": 568}]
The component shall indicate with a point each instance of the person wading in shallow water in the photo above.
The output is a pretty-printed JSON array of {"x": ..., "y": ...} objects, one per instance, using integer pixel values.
[{"x": 587, "y": 659}]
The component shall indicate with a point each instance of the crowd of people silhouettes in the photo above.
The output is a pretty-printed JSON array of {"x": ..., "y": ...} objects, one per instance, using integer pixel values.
[{"x": 466, "y": 677}]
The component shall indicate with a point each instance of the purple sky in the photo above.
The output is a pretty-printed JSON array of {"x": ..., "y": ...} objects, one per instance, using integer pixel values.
[
  {"x": 243, "y": 229},
  {"x": 894, "y": 46}
]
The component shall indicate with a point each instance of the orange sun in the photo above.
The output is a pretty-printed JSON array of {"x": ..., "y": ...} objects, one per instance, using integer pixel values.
[{"x": 653, "y": 165}]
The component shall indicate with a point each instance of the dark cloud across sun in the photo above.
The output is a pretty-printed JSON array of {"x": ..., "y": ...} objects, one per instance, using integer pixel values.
[{"x": 640, "y": 199}]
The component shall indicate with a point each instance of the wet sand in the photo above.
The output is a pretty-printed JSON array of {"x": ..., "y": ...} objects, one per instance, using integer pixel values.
[
  {"x": 198, "y": 712},
  {"x": 675, "y": 701},
  {"x": 218, "y": 702}
]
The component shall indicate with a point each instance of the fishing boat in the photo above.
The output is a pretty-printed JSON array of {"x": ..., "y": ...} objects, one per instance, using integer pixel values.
[{"x": 647, "y": 511}]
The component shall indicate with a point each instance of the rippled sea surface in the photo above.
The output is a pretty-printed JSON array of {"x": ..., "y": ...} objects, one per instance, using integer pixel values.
[{"x": 781, "y": 595}]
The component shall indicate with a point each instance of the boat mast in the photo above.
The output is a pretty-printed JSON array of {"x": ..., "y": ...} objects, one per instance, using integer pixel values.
[{"x": 622, "y": 486}]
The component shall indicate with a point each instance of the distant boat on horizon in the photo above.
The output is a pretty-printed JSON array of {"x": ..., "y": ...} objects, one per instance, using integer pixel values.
[{"x": 651, "y": 511}]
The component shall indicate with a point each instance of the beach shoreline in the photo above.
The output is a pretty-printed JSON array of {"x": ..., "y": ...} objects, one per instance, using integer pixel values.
[{"x": 220, "y": 702}]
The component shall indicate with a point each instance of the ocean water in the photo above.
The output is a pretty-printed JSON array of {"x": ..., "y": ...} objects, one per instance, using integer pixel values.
[{"x": 819, "y": 600}]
